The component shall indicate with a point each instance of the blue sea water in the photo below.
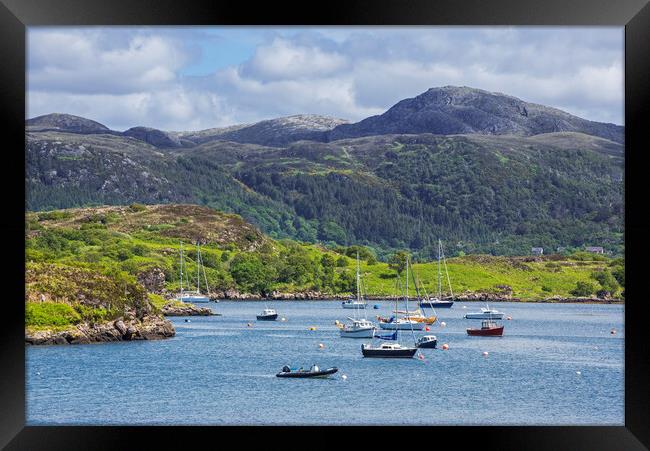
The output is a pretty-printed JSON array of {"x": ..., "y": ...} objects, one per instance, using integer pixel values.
[{"x": 219, "y": 371}]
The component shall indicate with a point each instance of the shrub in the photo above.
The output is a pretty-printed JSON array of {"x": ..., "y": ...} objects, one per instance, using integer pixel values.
[
  {"x": 137, "y": 207},
  {"x": 50, "y": 314}
]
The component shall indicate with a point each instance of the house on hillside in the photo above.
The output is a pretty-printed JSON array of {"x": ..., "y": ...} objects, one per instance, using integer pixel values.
[
  {"x": 537, "y": 250},
  {"x": 595, "y": 249}
]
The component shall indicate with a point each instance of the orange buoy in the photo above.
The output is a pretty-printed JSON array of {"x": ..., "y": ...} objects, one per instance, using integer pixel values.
[
  {"x": 420, "y": 356},
  {"x": 427, "y": 329},
  {"x": 445, "y": 346}
]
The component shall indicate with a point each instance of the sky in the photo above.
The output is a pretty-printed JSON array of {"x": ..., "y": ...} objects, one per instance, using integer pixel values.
[{"x": 194, "y": 78}]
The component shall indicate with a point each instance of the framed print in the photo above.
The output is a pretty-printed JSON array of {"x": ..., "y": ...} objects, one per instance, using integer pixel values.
[{"x": 361, "y": 216}]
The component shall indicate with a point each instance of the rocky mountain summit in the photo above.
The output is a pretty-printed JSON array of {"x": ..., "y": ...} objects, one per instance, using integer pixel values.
[
  {"x": 65, "y": 122},
  {"x": 461, "y": 110}
]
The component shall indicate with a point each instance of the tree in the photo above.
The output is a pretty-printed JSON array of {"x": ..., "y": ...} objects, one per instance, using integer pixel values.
[
  {"x": 250, "y": 273},
  {"x": 606, "y": 280},
  {"x": 583, "y": 289},
  {"x": 397, "y": 261}
]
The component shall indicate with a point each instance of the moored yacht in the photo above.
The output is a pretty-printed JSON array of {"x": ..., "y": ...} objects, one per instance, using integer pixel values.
[{"x": 268, "y": 314}]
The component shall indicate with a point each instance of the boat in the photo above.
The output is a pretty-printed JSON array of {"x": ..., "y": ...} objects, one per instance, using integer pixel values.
[
  {"x": 488, "y": 328},
  {"x": 314, "y": 371},
  {"x": 388, "y": 350},
  {"x": 359, "y": 327},
  {"x": 352, "y": 304},
  {"x": 485, "y": 313},
  {"x": 427, "y": 341},
  {"x": 394, "y": 350},
  {"x": 194, "y": 296},
  {"x": 401, "y": 324},
  {"x": 438, "y": 302},
  {"x": 268, "y": 314}
]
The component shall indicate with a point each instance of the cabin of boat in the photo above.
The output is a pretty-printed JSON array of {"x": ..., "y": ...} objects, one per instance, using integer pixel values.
[
  {"x": 436, "y": 303},
  {"x": 488, "y": 329},
  {"x": 427, "y": 341},
  {"x": 360, "y": 328}
]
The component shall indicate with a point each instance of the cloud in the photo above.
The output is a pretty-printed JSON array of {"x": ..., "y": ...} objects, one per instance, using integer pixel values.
[{"x": 134, "y": 76}]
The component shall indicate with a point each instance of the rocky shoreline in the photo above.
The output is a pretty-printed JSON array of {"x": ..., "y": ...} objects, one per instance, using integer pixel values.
[
  {"x": 464, "y": 297},
  {"x": 149, "y": 328}
]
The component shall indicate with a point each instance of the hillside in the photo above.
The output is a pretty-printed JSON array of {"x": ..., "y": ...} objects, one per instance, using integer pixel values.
[
  {"x": 138, "y": 246},
  {"x": 480, "y": 190}
]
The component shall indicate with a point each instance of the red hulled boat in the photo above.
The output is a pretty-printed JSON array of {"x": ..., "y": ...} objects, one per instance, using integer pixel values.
[{"x": 488, "y": 329}]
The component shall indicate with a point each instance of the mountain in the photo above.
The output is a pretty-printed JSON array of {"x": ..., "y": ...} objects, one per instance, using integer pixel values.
[
  {"x": 461, "y": 110},
  {"x": 282, "y": 131},
  {"x": 65, "y": 122},
  {"x": 483, "y": 192},
  {"x": 153, "y": 136}
]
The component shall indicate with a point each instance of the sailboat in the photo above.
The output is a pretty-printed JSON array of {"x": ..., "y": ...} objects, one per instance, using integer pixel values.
[
  {"x": 411, "y": 319},
  {"x": 359, "y": 327},
  {"x": 392, "y": 350},
  {"x": 437, "y": 302},
  {"x": 194, "y": 296}
]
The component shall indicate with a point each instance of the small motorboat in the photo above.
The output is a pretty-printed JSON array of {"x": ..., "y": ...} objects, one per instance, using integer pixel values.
[
  {"x": 268, "y": 314},
  {"x": 435, "y": 303},
  {"x": 485, "y": 313},
  {"x": 314, "y": 371},
  {"x": 388, "y": 350},
  {"x": 488, "y": 329},
  {"x": 427, "y": 341}
]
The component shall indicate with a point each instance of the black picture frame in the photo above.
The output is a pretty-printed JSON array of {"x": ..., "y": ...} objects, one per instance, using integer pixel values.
[{"x": 634, "y": 15}]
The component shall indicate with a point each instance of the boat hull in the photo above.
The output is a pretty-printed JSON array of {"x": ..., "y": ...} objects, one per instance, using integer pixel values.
[
  {"x": 194, "y": 299},
  {"x": 428, "y": 344},
  {"x": 484, "y": 316},
  {"x": 403, "y": 353},
  {"x": 267, "y": 317},
  {"x": 441, "y": 304},
  {"x": 354, "y": 306},
  {"x": 491, "y": 332},
  {"x": 358, "y": 333},
  {"x": 307, "y": 374},
  {"x": 402, "y": 326}
]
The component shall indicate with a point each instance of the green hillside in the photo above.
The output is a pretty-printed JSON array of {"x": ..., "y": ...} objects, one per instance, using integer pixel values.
[{"x": 125, "y": 243}]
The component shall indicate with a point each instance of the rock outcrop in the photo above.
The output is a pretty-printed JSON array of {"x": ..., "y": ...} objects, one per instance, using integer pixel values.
[
  {"x": 151, "y": 327},
  {"x": 173, "y": 309}
]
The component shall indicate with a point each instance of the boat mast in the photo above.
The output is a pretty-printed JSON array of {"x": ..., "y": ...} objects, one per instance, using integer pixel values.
[
  {"x": 439, "y": 273},
  {"x": 198, "y": 268},
  {"x": 181, "y": 270}
]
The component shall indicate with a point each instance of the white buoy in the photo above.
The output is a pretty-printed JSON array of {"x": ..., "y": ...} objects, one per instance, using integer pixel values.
[
  {"x": 578, "y": 373},
  {"x": 321, "y": 345},
  {"x": 443, "y": 324},
  {"x": 344, "y": 377},
  {"x": 485, "y": 353},
  {"x": 464, "y": 306}
]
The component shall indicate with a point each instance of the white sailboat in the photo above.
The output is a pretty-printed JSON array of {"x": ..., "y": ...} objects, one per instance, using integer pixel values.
[
  {"x": 437, "y": 302},
  {"x": 359, "y": 327},
  {"x": 412, "y": 320},
  {"x": 194, "y": 296}
]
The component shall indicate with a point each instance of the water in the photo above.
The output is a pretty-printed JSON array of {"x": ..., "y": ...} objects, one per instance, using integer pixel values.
[{"x": 219, "y": 371}]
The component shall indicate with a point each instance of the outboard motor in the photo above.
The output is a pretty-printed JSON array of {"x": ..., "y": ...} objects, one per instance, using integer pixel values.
[{"x": 286, "y": 369}]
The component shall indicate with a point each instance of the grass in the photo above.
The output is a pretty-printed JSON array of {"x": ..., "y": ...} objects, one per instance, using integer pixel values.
[{"x": 48, "y": 314}]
